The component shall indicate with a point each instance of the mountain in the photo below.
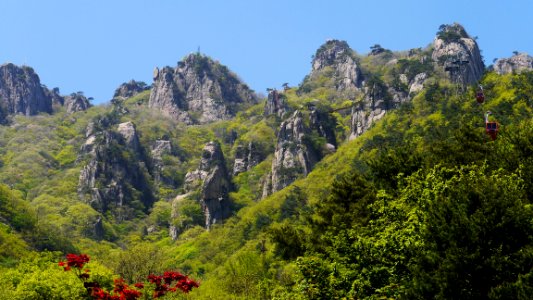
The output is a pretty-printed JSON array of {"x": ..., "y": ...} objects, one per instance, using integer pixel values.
[
  {"x": 199, "y": 90},
  {"x": 374, "y": 178}
]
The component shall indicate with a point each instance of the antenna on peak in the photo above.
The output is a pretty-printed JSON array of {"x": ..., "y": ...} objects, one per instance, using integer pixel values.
[{"x": 198, "y": 51}]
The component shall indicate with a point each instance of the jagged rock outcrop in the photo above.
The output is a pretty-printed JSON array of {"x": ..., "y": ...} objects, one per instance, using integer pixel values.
[
  {"x": 214, "y": 182},
  {"x": 275, "y": 104},
  {"x": 458, "y": 54},
  {"x": 295, "y": 154},
  {"x": 130, "y": 89},
  {"x": 336, "y": 56},
  {"x": 199, "y": 90},
  {"x": 54, "y": 95},
  {"x": 376, "y": 103},
  {"x": 115, "y": 178},
  {"x": 76, "y": 102},
  {"x": 324, "y": 124},
  {"x": 160, "y": 149},
  {"x": 515, "y": 64},
  {"x": 417, "y": 84},
  {"x": 21, "y": 91},
  {"x": 129, "y": 133},
  {"x": 246, "y": 157}
]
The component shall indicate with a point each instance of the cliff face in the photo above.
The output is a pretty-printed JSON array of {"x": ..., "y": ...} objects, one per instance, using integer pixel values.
[
  {"x": 21, "y": 91},
  {"x": 294, "y": 156},
  {"x": 246, "y": 157},
  {"x": 199, "y": 90},
  {"x": 519, "y": 62},
  {"x": 275, "y": 104},
  {"x": 458, "y": 54},
  {"x": 214, "y": 183},
  {"x": 115, "y": 178}
]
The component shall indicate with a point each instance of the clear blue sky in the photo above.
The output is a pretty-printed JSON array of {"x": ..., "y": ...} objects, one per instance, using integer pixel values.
[{"x": 95, "y": 45}]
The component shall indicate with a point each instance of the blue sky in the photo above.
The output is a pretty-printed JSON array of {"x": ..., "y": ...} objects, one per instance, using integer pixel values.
[{"x": 95, "y": 45}]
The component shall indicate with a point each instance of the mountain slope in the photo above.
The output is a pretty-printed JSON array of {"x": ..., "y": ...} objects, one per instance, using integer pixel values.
[{"x": 420, "y": 182}]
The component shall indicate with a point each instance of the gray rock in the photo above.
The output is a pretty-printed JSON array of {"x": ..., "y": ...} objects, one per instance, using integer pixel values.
[
  {"x": 76, "y": 102},
  {"x": 374, "y": 106},
  {"x": 158, "y": 150},
  {"x": 112, "y": 181},
  {"x": 324, "y": 125},
  {"x": 294, "y": 156},
  {"x": 199, "y": 90},
  {"x": 130, "y": 89},
  {"x": 129, "y": 133},
  {"x": 417, "y": 83},
  {"x": 275, "y": 104},
  {"x": 246, "y": 158},
  {"x": 458, "y": 54},
  {"x": 21, "y": 91},
  {"x": 214, "y": 183},
  {"x": 340, "y": 57},
  {"x": 519, "y": 62}
]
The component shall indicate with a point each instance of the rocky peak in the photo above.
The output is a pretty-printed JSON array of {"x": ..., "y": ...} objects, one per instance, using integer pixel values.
[
  {"x": 199, "y": 90},
  {"x": 517, "y": 63},
  {"x": 214, "y": 182},
  {"x": 275, "y": 104},
  {"x": 76, "y": 102},
  {"x": 130, "y": 89},
  {"x": 21, "y": 91},
  {"x": 338, "y": 56},
  {"x": 458, "y": 54}
]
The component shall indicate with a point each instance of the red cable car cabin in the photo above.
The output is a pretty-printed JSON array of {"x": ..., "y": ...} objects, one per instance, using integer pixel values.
[
  {"x": 480, "y": 97},
  {"x": 492, "y": 129}
]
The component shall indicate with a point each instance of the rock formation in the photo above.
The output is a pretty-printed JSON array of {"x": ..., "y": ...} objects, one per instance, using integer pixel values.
[
  {"x": 199, "y": 90},
  {"x": 324, "y": 125},
  {"x": 130, "y": 89},
  {"x": 214, "y": 183},
  {"x": 246, "y": 157},
  {"x": 458, "y": 54},
  {"x": 515, "y": 64},
  {"x": 115, "y": 178},
  {"x": 76, "y": 102},
  {"x": 336, "y": 56},
  {"x": 275, "y": 104},
  {"x": 21, "y": 91},
  {"x": 159, "y": 149},
  {"x": 373, "y": 107},
  {"x": 295, "y": 155}
]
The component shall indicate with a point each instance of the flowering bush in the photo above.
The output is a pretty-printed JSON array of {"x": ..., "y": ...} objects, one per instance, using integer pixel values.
[{"x": 170, "y": 281}]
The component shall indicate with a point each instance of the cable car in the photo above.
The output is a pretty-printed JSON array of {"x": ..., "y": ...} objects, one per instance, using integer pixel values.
[
  {"x": 491, "y": 127},
  {"x": 480, "y": 96}
]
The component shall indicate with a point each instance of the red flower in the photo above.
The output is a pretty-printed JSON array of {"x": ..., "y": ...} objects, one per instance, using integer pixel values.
[{"x": 139, "y": 285}]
